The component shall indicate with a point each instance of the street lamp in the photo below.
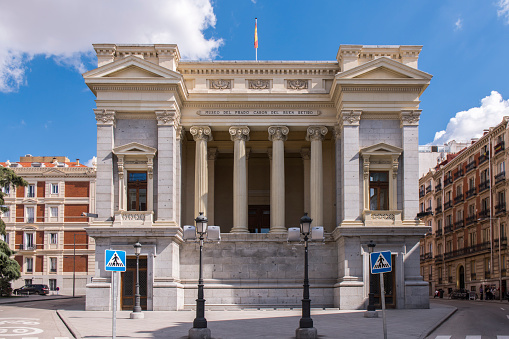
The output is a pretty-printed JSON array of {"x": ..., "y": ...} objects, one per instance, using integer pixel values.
[
  {"x": 200, "y": 330},
  {"x": 137, "y": 313},
  {"x": 371, "y": 311}
]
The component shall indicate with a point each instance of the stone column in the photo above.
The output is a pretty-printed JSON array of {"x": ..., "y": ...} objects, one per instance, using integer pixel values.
[
  {"x": 278, "y": 135},
  {"x": 409, "y": 123},
  {"x": 306, "y": 153},
  {"x": 211, "y": 159},
  {"x": 180, "y": 133},
  {"x": 339, "y": 188},
  {"x": 350, "y": 181},
  {"x": 315, "y": 134},
  {"x": 201, "y": 135},
  {"x": 239, "y": 135},
  {"x": 104, "y": 177}
]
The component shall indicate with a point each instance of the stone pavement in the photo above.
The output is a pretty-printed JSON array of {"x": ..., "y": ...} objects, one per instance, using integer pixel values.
[
  {"x": 245, "y": 324},
  {"x": 34, "y": 297}
]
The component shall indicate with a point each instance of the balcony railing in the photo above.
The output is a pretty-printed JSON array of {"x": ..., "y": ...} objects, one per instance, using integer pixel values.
[
  {"x": 448, "y": 229},
  {"x": 438, "y": 187},
  {"x": 500, "y": 208},
  {"x": 470, "y": 166},
  {"x": 458, "y": 174},
  {"x": 459, "y": 224},
  {"x": 470, "y": 193},
  {"x": 471, "y": 219},
  {"x": 428, "y": 188},
  {"x": 30, "y": 194},
  {"x": 458, "y": 198},
  {"x": 484, "y": 157},
  {"x": 439, "y": 257},
  {"x": 499, "y": 147},
  {"x": 438, "y": 210},
  {"x": 484, "y": 214},
  {"x": 484, "y": 185},
  {"x": 426, "y": 256},
  {"x": 503, "y": 245},
  {"x": 30, "y": 220},
  {"x": 438, "y": 232},
  {"x": 448, "y": 181},
  {"x": 499, "y": 177},
  {"x": 25, "y": 247},
  {"x": 447, "y": 205}
]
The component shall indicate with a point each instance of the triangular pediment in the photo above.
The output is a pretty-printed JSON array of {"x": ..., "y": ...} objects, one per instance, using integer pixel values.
[
  {"x": 384, "y": 68},
  {"x": 134, "y": 148},
  {"x": 381, "y": 149},
  {"x": 29, "y": 201},
  {"x": 132, "y": 67},
  {"x": 53, "y": 171}
]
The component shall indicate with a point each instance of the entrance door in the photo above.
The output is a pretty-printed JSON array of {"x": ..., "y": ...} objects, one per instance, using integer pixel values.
[
  {"x": 129, "y": 284},
  {"x": 259, "y": 218},
  {"x": 461, "y": 278},
  {"x": 389, "y": 286}
]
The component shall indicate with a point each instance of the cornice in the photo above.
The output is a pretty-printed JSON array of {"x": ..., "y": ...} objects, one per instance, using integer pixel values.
[
  {"x": 118, "y": 87},
  {"x": 381, "y": 89},
  {"x": 264, "y": 104}
]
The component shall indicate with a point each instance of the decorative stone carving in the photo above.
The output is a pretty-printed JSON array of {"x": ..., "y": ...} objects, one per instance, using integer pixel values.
[
  {"x": 180, "y": 132},
  {"x": 120, "y": 167},
  {"x": 350, "y": 117},
  {"x": 105, "y": 117},
  {"x": 305, "y": 153},
  {"x": 259, "y": 84},
  {"x": 410, "y": 118},
  {"x": 239, "y": 133},
  {"x": 278, "y": 133},
  {"x": 212, "y": 153},
  {"x": 337, "y": 132},
  {"x": 365, "y": 166},
  {"x": 395, "y": 166},
  {"x": 201, "y": 133},
  {"x": 269, "y": 153},
  {"x": 297, "y": 84},
  {"x": 316, "y": 133},
  {"x": 165, "y": 117},
  {"x": 220, "y": 84},
  {"x": 382, "y": 216}
]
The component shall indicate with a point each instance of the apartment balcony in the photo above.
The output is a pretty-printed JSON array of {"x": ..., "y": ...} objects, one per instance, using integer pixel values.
[
  {"x": 448, "y": 181},
  {"x": 438, "y": 187},
  {"x": 471, "y": 220},
  {"x": 500, "y": 208},
  {"x": 500, "y": 177},
  {"x": 484, "y": 186},
  {"x": 25, "y": 247},
  {"x": 458, "y": 198},
  {"x": 448, "y": 205},
  {"x": 438, "y": 232},
  {"x": 454, "y": 254},
  {"x": 448, "y": 229},
  {"x": 478, "y": 248},
  {"x": 484, "y": 214},
  {"x": 470, "y": 166},
  {"x": 439, "y": 257},
  {"x": 499, "y": 147},
  {"x": 30, "y": 194},
  {"x": 438, "y": 210},
  {"x": 459, "y": 224},
  {"x": 424, "y": 214},
  {"x": 458, "y": 174},
  {"x": 426, "y": 256},
  {"x": 503, "y": 245},
  {"x": 470, "y": 193},
  {"x": 421, "y": 193},
  {"x": 484, "y": 157},
  {"x": 428, "y": 188}
]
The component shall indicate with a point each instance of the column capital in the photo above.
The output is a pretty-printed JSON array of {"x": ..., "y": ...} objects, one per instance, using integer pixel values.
[
  {"x": 337, "y": 132},
  {"x": 167, "y": 117},
  {"x": 305, "y": 153},
  {"x": 278, "y": 133},
  {"x": 180, "y": 132},
  {"x": 105, "y": 117},
  {"x": 212, "y": 153},
  {"x": 239, "y": 133},
  {"x": 409, "y": 117},
  {"x": 350, "y": 117},
  {"x": 316, "y": 133},
  {"x": 201, "y": 133}
]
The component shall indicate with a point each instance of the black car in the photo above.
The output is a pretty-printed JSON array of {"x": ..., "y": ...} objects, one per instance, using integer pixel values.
[{"x": 33, "y": 289}]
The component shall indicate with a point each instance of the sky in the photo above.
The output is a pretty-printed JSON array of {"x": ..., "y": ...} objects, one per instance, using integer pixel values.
[{"x": 45, "y": 46}]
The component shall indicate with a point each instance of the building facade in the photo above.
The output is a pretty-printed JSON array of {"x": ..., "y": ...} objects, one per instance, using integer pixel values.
[
  {"x": 254, "y": 145},
  {"x": 44, "y": 223},
  {"x": 464, "y": 201}
]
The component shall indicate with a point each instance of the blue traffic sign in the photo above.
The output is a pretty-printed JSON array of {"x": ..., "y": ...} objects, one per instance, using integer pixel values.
[
  {"x": 381, "y": 262},
  {"x": 115, "y": 261}
]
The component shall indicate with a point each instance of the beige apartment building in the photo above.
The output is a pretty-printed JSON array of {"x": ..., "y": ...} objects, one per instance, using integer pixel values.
[
  {"x": 464, "y": 201},
  {"x": 44, "y": 223}
]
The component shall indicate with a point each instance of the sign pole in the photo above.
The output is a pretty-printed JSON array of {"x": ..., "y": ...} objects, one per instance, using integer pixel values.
[
  {"x": 115, "y": 261},
  {"x": 114, "y": 315},
  {"x": 382, "y": 296}
]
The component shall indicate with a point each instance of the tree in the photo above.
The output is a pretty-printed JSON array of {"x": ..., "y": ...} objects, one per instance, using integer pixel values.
[{"x": 9, "y": 268}]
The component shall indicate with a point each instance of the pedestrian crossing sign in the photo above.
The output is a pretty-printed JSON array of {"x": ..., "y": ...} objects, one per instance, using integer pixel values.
[
  {"x": 381, "y": 262},
  {"x": 115, "y": 260}
]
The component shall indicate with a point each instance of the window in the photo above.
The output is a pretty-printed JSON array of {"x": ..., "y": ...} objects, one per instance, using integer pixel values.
[
  {"x": 502, "y": 231},
  {"x": 439, "y": 224},
  {"x": 486, "y": 235},
  {"x": 439, "y": 248},
  {"x": 484, "y": 175},
  {"x": 471, "y": 183},
  {"x": 439, "y": 202},
  {"x": 487, "y": 264},
  {"x": 485, "y": 204},
  {"x": 448, "y": 196},
  {"x": 448, "y": 220},
  {"x": 29, "y": 265},
  {"x": 501, "y": 198},
  {"x": 501, "y": 167},
  {"x": 137, "y": 191},
  {"x": 459, "y": 190},
  {"x": 29, "y": 241},
  {"x": 460, "y": 243},
  {"x": 31, "y": 191},
  {"x": 472, "y": 238},
  {"x": 378, "y": 191},
  {"x": 53, "y": 238},
  {"x": 53, "y": 284},
  {"x": 484, "y": 149},
  {"x": 471, "y": 210},
  {"x": 6, "y": 189},
  {"x": 30, "y": 215},
  {"x": 5, "y": 237},
  {"x": 53, "y": 212},
  {"x": 54, "y": 188},
  {"x": 28, "y": 282},
  {"x": 53, "y": 265},
  {"x": 459, "y": 215},
  {"x": 421, "y": 207},
  {"x": 430, "y": 248},
  {"x": 448, "y": 246},
  {"x": 6, "y": 214}
]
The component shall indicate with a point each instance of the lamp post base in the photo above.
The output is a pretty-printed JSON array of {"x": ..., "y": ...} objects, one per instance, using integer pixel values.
[
  {"x": 137, "y": 315},
  {"x": 306, "y": 333},
  {"x": 371, "y": 314},
  {"x": 199, "y": 333}
]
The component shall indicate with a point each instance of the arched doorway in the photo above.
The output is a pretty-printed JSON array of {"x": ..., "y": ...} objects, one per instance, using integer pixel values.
[{"x": 461, "y": 277}]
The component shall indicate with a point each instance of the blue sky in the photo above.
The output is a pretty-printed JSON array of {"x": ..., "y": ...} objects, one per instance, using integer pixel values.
[{"x": 46, "y": 109}]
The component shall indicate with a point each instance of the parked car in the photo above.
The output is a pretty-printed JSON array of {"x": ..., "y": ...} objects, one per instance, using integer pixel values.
[{"x": 33, "y": 289}]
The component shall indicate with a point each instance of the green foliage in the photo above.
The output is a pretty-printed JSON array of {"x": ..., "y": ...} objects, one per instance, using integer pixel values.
[{"x": 10, "y": 179}]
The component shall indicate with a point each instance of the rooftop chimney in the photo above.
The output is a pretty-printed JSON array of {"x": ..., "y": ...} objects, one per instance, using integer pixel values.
[{"x": 77, "y": 162}]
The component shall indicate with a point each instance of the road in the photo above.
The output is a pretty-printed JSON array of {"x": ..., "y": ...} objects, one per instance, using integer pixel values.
[
  {"x": 36, "y": 319},
  {"x": 474, "y": 320}
]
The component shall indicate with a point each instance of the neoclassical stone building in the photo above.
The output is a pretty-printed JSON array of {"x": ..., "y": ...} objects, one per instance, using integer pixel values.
[{"x": 254, "y": 145}]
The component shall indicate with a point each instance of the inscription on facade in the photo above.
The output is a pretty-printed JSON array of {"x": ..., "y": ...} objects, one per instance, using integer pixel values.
[{"x": 258, "y": 112}]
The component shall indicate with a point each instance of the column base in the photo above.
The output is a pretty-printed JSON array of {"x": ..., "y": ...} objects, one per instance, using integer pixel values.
[
  {"x": 371, "y": 314},
  {"x": 137, "y": 315},
  {"x": 239, "y": 229},
  {"x": 199, "y": 333},
  {"x": 278, "y": 229},
  {"x": 306, "y": 333}
]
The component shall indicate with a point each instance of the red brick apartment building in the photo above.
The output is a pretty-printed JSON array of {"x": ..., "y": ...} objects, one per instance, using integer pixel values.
[
  {"x": 44, "y": 222},
  {"x": 464, "y": 200}
]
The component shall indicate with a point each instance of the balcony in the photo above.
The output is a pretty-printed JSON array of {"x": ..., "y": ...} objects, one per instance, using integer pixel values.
[
  {"x": 438, "y": 187},
  {"x": 484, "y": 157},
  {"x": 448, "y": 181},
  {"x": 439, "y": 257},
  {"x": 458, "y": 198},
  {"x": 500, "y": 208},
  {"x": 421, "y": 193},
  {"x": 448, "y": 229},
  {"x": 438, "y": 232},
  {"x": 473, "y": 276},
  {"x": 478, "y": 248},
  {"x": 30, "y": 220},
  {"x": 458, "y": 174},
  {"x": 499, "y": 147},
  {"x": 428, "y": 188},
  {"x": 438, "y": 210},
  {"x": 484, "y": 214},
  {"x": 470, "y": 193},
  {"x": 454, "y": 254},
  {"x": 426, "y": 256},
  {"x": 459, "y": 224},
  {"x": 30, "y": 194},
  {"x": 25, "y": 247},
  {"x": 471, "y": 220},
  {"x": 470, "y": 166},
  {"x": 447, "y": 205},
  {"x": 484, "y": 185},
  {"x": 500, "y": 177},
  {"x": 502, "y": 246}
]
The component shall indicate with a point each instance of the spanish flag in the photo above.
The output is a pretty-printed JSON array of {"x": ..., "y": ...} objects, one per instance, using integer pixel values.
[{"x": 256, "y": 34}]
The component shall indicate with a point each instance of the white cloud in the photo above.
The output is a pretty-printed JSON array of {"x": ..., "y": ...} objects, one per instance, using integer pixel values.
[
  {"x": 91, "y": 162},
  {"x": 458, "y": 24},
  {"x": 471, "y": 123},
  {"x": 503, "y": 11},
  {"x": 65, "y": 30}
]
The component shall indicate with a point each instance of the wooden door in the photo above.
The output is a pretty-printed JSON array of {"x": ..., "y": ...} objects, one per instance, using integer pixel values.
[
  {"x": 389, "y": 286},
  {"x": 128, "y": 287},
  {"x": 259, "y": 218}
]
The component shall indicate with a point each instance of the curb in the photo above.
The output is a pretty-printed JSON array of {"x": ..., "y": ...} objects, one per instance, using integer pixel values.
[
  {"x": 35, "y": 300},
  {"x": 438, "y": 324},
  {"x": 68, "y": 324}
]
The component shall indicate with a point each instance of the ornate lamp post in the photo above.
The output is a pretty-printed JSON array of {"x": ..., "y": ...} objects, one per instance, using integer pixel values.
[
  {"x": 371, "y": 311},
  {"x": 137, "y": 313}
]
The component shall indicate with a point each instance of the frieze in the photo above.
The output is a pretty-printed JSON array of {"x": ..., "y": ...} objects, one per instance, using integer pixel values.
[
  {"x": 220, "y": 84},
  {"x": 241, "y": 111},
  {"x": 259, "y": 84},
  {"x": 297, "y": 84}
]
